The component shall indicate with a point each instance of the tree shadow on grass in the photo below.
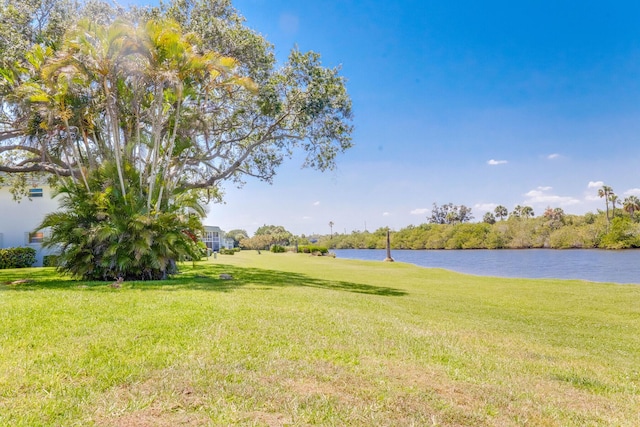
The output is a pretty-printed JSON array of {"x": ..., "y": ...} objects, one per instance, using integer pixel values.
[{"x": 203, "y": 277}]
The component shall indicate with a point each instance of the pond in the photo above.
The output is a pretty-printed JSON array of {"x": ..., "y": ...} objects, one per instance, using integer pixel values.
[{"x": 586, "y": 264}]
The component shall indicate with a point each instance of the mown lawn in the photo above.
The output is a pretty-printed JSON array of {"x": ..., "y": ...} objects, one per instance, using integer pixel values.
[{"x": 301, "y": 340}]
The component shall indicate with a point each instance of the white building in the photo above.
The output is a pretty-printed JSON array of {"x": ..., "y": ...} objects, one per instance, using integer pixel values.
[
  {"x": 18, "y": 220},
  {"x": 215, "y": 238}
]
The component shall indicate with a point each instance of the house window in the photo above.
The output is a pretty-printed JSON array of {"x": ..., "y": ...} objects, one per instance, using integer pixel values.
[
  {"x": 35, "y": 192},
  {"x": 36, "y": 237}
]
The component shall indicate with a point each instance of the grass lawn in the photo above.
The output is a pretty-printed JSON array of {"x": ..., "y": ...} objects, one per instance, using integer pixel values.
[{"x": 301, "y": 340}]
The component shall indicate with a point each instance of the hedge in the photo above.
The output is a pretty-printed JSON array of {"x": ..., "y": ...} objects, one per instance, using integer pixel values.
[
  {"x": 309, "y": 249},
  {"x": 17, "y": 257}
]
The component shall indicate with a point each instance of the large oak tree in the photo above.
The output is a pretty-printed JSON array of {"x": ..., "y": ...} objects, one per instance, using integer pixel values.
[{"x": 151, "y": 110}]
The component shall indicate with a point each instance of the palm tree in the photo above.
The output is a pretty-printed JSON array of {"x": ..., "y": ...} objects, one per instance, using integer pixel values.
[
  {"x": 488, "y": 218},
  {"x": 631, "y": 204},
  {"x": 517, "y": 212},
  {"x": 605, "y": 192},
  {"x": 613, "y": 199},
  {"x": 501, "y": 212},
  {"x": 331, "y": 227},
  {"x": 141, "y": 81},
  {"x": 102, "y": 238},
  {"x": 527, "y": 211}
]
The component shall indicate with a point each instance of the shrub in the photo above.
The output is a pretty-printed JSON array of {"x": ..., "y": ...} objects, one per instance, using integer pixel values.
[
  {"x": 225, "y": 251},
  {"x": 309, "y": 249},
  {"x": 17, "y": 257},
  {"x": 202, "y": 247},
  {"x": 50, "y": 260},
  {"x": 277, "y": 249},
  {"x": 103, "y": 233}
]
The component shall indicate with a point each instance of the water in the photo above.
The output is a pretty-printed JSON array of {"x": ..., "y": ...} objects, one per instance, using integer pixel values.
[{"x": 586, "y": 264}]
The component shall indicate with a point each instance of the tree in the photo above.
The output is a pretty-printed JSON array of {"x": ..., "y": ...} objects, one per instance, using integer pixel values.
[
  {"x": 24, "y": 22},
  {"x": 464, "y": 214},
  {"x": 501, "y": 212},
  {"x": 104, "y": 235},
  {"x": 450, "y": 214},
  {"x": 237, "y": 235},
  {"x": 613, "y": 198},
  {"x": 439, "y": 214},
  {"x": 331, "y": 228},
  {"x": 257, "y": 243},
  {"x": 631, "y": 205},
  {"x": 527, "y": 212},
  {"x": 605, "y": 192},
  {"x": 489, "y": 218},
  {"x": 522, "y": 212},
  {"x": 555, "y": 216},
  {"x": 181, "y": 112},
  {"x": 275, "y": 234},
  {"x": 622, "y": 234}
]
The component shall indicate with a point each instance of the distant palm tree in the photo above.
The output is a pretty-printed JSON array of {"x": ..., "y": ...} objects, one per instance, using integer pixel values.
[
  {"x": 489, "y": 218},
  {"x": 331, "y": 227},
  {"x": 605, "y": 192},
  {"x": 527, "y": 211},
  {"x": 613, "y": 199},
  {"x": 631, "y": 204},
  {"x": 501, "y": 212}
]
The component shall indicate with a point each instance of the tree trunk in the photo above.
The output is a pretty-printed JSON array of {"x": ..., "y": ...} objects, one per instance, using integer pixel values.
[{"x": 388, "y": 258}]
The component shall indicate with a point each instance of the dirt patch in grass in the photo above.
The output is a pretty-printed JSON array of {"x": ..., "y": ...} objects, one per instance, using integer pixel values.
[
  {"x": 155, "y": 418},
  {"x": 269, "y": 419},
  {"x": 162, "y": 400}
]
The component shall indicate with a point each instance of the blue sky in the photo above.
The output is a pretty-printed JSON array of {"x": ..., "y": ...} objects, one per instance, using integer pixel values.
[{"x": 475, "y": 103}]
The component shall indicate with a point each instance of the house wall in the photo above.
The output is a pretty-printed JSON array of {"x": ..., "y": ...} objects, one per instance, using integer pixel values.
[
  {"x": 215, "y": 238},
  {"x": 18, "y": 219}
]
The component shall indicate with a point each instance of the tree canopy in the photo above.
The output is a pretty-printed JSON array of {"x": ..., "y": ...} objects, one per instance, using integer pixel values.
[
  {"x": 162, "y": 91},
  {"x": 165, "y": 103}
]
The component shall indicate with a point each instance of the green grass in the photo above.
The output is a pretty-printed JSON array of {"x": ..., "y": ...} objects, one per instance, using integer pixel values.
[{"x": 302, "y": 340}]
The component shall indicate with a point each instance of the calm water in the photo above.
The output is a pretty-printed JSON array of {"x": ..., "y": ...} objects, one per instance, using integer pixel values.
[{"x": 593, "y": 265}]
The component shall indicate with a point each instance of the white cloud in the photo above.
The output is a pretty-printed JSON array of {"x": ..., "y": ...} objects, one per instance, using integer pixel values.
[
  {"x": 307, "y": 217},
  {"x": 485, "y": 207},
  {"x": 420, "y": 211},
  {"x": 534, "y": 193},
  {"x": 493, "y": 162},
  {"x": 595, "y": 184},
  {"x": 386, "y": 214},
  {"x": 632, "y": 192},
  {"x": 553, "y": 156},
  {"x": 541, "y": 196},
  {"x": 316, "y": 203}
]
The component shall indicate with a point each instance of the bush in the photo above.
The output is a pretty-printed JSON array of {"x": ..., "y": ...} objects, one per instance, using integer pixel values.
[
  {"x": 17, "y": 257},
  {"x": 225, "y": 251},
  {"x": 202, "y": 247},
  {"x": 309, "y": 249},
  {"x": 50, "y": 260},
  {"x": 104, "y": 234},
  {"x": 277, "y": 249}
]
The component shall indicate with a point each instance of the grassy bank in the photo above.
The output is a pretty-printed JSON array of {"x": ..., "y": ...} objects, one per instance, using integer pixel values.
[{"x": 301, "y": 340}]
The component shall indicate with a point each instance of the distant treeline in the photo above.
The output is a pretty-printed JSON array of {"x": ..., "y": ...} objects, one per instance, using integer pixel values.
[{"x": 552, "y": 230}]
